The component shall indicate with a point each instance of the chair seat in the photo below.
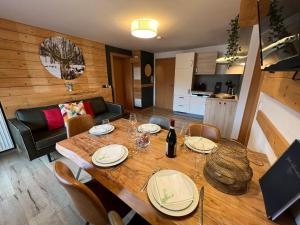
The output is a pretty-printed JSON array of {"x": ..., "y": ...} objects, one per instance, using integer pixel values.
[
  {"x": 107, "y": 115},
  {"x": 45, "y": 139}
]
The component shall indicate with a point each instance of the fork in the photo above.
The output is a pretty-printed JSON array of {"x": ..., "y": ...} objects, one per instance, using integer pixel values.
[{"x": 148, "y": 178}]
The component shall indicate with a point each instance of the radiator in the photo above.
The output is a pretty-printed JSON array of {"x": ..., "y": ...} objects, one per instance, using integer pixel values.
[{"x": 5, "y": 138}]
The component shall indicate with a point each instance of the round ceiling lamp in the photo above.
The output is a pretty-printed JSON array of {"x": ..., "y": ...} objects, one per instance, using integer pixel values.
[{"x": 144, "y": 28}]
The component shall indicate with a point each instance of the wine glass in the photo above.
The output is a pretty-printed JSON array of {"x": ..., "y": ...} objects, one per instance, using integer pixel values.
[
  {"x": 132, "y": 135},
  {"x": 186, "y": 133},
  {"x": 132, "y": 119}
]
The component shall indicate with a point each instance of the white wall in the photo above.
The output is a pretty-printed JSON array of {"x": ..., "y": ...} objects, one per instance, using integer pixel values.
[
  {"x": 250, "y": 65},
  {"x": 286, "y": 120}
]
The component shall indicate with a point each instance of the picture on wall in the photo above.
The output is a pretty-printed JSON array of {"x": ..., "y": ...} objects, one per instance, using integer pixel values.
[{"x": 62, "y": 58}]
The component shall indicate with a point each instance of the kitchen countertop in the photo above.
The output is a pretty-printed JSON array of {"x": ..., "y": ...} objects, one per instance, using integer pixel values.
[
  {"x": 224, "y": 99},
  {"x": 207, "y": 94}
]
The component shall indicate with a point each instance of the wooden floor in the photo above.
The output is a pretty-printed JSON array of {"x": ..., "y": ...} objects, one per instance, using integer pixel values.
[
  {"x": 30, "y": 194},
  {"x": 181, "y": 119}
]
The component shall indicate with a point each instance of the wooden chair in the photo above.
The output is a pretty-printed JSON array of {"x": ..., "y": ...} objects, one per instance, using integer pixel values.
[
  {"x": 163, "y": 122},
  {"x": 85, "y": 200},
  {"x": 77, "y": 125},
  {"x": 204, "y": 130}
]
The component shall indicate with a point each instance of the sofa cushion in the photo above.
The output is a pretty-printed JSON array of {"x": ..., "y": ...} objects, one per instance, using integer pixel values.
[
  {"x": 44, "y": 139},
  {"x": 98, "y": 105},
  {"x": 34, "y": 118},
  {"x": 88, "y": 108},
  {"x": 106, "y": 115},
  {"x": 54, "y": 118},
  {"x": 69, "y": 110}
]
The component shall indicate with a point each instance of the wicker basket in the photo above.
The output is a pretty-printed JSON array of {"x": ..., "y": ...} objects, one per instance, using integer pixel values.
[{"x": 227, "y": 169}]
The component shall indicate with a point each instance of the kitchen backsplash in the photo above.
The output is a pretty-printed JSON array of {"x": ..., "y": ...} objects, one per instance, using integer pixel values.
[{"x": 210, "y": 81}]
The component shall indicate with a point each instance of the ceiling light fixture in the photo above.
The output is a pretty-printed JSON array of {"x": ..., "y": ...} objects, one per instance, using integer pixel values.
[{"x": 144, "y": 28}]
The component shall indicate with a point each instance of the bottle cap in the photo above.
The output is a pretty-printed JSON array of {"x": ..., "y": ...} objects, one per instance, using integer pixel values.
[{"x": 172, "y": 122}]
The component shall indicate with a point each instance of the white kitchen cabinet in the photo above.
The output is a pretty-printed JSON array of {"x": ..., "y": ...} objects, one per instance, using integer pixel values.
[
  {"x": 185, "y": 61},
  {"x": 181, "y": 103},
  {"x": 183, "y": 82},
  {"x": 197, "y": 105},
  {"x": 220, "y": 113},
  {"x": 184, "y": 69}
]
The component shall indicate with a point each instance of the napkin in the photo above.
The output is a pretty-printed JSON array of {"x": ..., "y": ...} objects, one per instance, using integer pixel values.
[
  {"x": 110, "y": 153},
  {"x": 201, "y": 143},
  {"x": 172, "y": 189}
]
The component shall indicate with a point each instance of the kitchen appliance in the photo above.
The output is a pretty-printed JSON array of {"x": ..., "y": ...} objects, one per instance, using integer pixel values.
[
  {"x": 229, "y": 86},
  {"x": 218, "y": 87},
  {"x": 202, "y": 87}
]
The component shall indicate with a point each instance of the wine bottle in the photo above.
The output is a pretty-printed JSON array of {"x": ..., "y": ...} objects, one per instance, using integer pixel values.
[{"x": 171, "y": 141}]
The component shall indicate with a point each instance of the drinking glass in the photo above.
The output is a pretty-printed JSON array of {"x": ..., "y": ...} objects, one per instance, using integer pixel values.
[
  {"x": 106, "y": 122},
  {"x": 196, "y": 174}
]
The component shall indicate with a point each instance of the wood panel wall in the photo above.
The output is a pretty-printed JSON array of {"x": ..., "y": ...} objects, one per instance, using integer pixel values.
[
  {"x": 25, "y": 83},
  {"x": 283, "y": 88},
  {"x": 276, "y": 140}
]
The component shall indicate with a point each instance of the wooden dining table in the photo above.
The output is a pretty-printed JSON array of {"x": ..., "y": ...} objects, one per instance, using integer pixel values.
[{"x": 126, "y": 179}]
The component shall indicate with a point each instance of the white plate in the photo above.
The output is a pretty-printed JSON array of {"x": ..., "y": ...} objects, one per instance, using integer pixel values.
[
  {"x": 94, "y": 132},
  {"x": 184, "y": 212},
  {"x": 109, "y": 154},
  {"x": 110, "y": 164},
  {"x": 147, "y": 128},
  {"x": 197, "y": 150},
  {"x": 207, "y": 145}
]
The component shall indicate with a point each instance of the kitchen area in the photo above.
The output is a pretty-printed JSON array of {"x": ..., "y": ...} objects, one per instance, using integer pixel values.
[{"x": 206, "y": 89}]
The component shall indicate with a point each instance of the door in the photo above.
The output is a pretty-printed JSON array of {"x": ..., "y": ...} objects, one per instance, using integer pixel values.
[
  {"x": 122, "y": 80},
  {"x": 164, "y": 82}
]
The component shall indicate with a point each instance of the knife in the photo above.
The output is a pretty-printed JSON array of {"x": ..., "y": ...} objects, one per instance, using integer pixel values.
[{"x": 201, "y": 198}]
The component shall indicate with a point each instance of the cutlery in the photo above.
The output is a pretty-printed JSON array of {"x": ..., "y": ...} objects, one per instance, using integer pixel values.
[
  {"x": 201, "y": 198},
  {"x": 148, "y": 178}
]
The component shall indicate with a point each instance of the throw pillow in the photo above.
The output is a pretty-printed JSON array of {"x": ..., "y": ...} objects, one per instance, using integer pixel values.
[
  {"x": 54, "y": 118},
  {"x": 69, "y": 110},
  {"x": 88, "y": 108}
]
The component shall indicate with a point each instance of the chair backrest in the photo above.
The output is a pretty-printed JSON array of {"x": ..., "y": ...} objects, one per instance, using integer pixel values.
[
  {"x": 204, "y": 130},
  {"x": 86, "y": 202},
  {"x": 163, "y": 122},
  {"x": 79, "y": 124}
]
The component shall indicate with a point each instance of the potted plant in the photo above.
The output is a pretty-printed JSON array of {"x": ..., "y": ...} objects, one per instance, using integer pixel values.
[{"x": 233, "y": 41}]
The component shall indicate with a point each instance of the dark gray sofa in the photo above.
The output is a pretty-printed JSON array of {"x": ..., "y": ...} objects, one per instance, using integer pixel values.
[{"x": 30, "y": 131}]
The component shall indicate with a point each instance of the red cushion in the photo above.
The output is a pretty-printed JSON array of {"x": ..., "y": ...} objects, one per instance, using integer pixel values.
[
  {"x": 88, "y": 108},
  {"x": 54, "y": 118}
]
